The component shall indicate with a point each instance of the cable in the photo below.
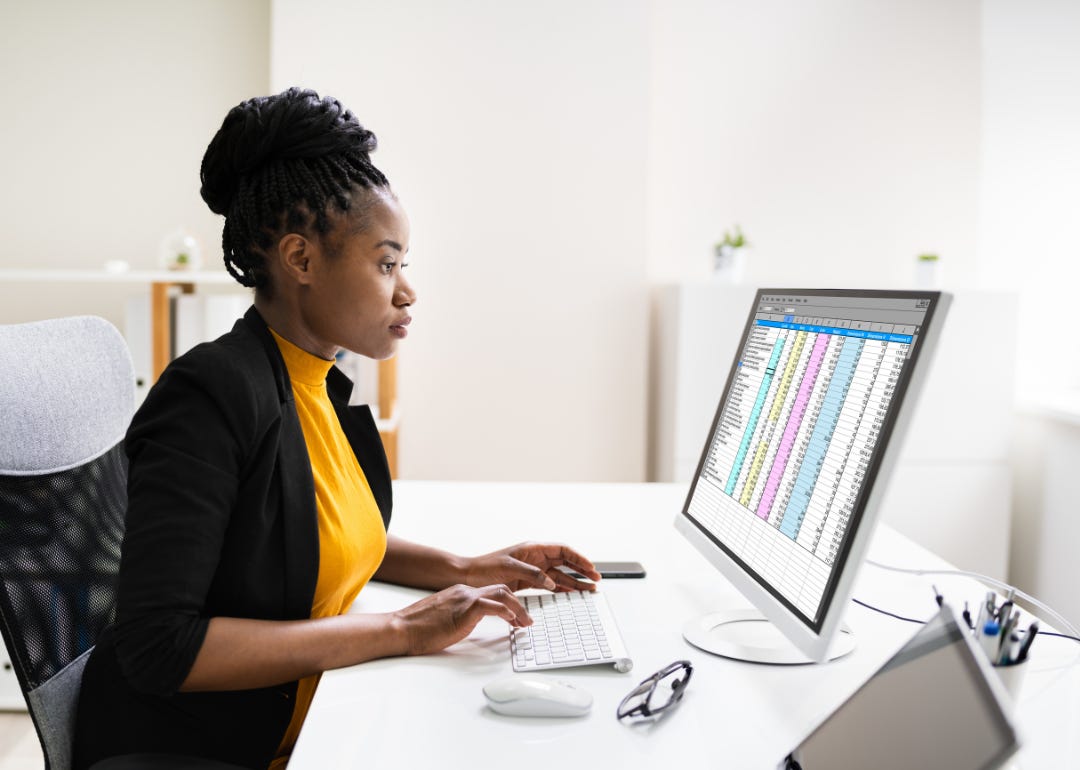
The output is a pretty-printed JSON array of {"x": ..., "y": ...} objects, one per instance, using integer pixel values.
[
  {"x": 861, "y": 603},
  {"x": 886, "y": 612},
  {"x": 1061, "y": 621},
  {"x": 1063, "y": 636}
]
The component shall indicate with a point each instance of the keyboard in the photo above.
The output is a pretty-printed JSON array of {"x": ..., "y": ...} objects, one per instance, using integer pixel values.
[{"x": 569, "y": 629}]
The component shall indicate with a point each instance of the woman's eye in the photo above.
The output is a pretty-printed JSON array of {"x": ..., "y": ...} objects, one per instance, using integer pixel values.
[{"x": 388, "y": 267}]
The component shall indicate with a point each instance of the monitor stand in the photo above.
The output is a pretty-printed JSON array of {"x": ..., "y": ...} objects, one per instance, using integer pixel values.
[{"x": 747, "y": 635}]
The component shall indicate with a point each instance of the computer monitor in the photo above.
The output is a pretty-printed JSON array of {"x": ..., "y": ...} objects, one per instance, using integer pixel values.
[{"x": 788, "y": 487}]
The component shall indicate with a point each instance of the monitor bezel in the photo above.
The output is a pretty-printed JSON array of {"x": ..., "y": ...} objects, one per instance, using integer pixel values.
[{"x": 812, "y": 637}]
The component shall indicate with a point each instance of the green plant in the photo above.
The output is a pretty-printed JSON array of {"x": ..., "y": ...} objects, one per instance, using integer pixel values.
[{"x": 733, "y": 239}]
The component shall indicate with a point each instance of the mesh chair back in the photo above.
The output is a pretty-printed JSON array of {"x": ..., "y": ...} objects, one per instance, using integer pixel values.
[{"x": 66, "y": 396}]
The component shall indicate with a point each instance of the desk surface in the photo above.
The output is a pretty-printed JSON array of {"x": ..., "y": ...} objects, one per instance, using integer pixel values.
[{"x": 430, "y": 711}]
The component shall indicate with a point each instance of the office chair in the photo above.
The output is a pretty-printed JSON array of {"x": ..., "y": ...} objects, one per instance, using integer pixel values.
[{"x": 67, "y": 390}]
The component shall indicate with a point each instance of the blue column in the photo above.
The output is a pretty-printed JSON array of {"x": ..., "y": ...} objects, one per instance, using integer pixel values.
[
  {"x": 821, "y": 436},
  {"x": 751, "y": 424}
]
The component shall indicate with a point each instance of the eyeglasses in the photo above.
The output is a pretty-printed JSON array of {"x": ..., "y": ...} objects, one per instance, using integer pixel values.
[{"x": 639, "y": 703}]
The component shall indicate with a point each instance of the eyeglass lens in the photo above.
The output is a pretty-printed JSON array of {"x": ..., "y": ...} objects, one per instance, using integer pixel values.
[{"x": 658, "y": 692}]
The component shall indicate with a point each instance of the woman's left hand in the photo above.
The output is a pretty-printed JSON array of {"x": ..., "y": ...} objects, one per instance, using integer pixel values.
[{"x": 532, "y": 565}]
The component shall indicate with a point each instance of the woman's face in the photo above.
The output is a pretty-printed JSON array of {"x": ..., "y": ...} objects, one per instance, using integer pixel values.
[{"x": 358, "y": 298}]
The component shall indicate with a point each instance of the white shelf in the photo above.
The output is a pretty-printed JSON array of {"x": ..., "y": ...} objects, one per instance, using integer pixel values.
[{"x": 58, "y": 275}]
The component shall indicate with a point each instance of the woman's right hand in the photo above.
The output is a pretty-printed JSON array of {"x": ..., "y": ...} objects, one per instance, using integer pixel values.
[
  {"x": 244, "y": 653},
  {"x": 445, "y": 618}
]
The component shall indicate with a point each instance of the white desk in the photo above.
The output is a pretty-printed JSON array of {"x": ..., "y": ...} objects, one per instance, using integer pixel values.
[{"x": 430, "y": 712}]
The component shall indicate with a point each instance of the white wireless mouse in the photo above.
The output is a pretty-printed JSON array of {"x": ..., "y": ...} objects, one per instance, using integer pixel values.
[{"x": 528, "y": 696}]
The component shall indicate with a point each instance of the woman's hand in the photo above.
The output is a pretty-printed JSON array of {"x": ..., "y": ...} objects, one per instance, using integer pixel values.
[
  {"x": 532, "y": 565},
  {"x": 445, "y": 618}
]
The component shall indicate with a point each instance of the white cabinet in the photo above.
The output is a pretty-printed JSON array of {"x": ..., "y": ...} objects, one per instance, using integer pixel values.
[
  {"x": 1047, "y": 456},
  {"x": 952, "y": 486}
]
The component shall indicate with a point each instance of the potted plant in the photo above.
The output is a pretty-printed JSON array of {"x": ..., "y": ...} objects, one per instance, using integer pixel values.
[
  {"x": 729, "y": 255},
  {"x": 179, "y": 251}
]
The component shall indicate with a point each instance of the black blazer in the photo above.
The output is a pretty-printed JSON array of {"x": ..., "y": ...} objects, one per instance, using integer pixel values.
[{"x": 221, "y": 521}]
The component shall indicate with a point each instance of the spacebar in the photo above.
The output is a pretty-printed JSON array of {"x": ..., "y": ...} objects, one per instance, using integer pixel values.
[{"x": 562, "y": 657}]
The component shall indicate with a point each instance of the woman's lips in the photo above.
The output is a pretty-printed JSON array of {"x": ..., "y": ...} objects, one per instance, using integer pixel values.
[{"x": 399, "y": 330}]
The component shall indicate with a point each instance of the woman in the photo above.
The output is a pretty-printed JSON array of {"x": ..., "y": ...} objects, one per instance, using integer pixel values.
[{"x": 258, "y": 501}]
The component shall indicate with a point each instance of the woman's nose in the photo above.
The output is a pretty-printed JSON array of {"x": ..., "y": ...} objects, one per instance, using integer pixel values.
[{"x": 404, "y": 296}]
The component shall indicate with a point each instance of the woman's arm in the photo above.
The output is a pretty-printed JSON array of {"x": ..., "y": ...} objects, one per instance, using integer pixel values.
[
  {"x": 240, "y": 653},
  {"x": 527, "y": 565},
  {"x": 419, "y": 566}
]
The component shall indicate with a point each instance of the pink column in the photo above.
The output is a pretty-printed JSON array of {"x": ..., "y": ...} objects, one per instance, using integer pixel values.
[{"x": 795, "y": 419}]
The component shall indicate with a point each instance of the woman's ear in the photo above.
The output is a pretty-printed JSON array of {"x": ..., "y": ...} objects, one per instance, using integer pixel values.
[{"x": 294, "y": 253}]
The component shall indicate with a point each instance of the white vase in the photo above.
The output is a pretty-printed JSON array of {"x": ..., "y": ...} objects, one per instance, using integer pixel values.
[
  {"x": 729, "y": 264},
  {"x": 928, "y": 274},
  {"x": 179, "y": 251}
]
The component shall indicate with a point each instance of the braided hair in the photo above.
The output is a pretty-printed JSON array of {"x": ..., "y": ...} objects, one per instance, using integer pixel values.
[{"x": 281, "y": 162}]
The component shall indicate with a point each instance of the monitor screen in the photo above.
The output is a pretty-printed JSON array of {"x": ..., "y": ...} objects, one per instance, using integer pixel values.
[{"x": 798, "y": 441}]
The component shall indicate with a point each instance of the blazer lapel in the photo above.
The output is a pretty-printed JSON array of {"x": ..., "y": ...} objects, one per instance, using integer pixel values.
[
  {"x": 363, "y": 435},
  {"x": 299, "y": 515}
]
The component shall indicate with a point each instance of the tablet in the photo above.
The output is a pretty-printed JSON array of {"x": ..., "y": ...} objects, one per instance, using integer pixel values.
[{"x": 935, "y": 704}]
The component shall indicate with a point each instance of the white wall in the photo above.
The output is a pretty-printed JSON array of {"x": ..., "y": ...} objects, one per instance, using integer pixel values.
[
  {"x": 516, "y": 135},
  {"x": 842, "y": 135},
  {"x": 1029, "y": 238},
  {"x": 555, "y": 158},
  {"x": 108, "y": 107}
]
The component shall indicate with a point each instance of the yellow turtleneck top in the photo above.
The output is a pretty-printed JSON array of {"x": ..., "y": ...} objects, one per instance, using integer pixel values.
[{"x": 352, "y": 539}]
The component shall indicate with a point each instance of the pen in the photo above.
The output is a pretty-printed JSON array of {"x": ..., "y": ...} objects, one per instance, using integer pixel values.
[
  {"x": 980, "y": 621},
  {"x": 989, "y": 640},
  {"x": 1010, "y": 650},
  {"x": 1008, "y": 625},
  {"x": 990, "y": 607},
  {"x": 1003, "y": 612},
  {"x": 1032, "y": 632}
]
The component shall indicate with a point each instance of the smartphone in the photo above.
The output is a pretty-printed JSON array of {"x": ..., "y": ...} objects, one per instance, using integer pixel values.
[
  {"x": 615, "y": 569},
  {"x": 620, "y": 569}
]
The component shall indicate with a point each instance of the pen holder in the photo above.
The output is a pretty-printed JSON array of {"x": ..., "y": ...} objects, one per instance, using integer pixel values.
[{"x": 1012, "y": 677}]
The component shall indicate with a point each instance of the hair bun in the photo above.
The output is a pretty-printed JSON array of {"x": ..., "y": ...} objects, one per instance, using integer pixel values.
[{"x": 296, "y": 123}]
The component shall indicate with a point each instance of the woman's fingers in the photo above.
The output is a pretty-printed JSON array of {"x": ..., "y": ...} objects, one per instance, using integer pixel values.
[
  {"x": 526, "y": 575},
  {"x": 500, "y": 600},
  {"x": 577, "y": 562},
  {"x": 445, "y": 618},
  {"x": 533, "y": 565},
  {"x": 567, "y": 582}
]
